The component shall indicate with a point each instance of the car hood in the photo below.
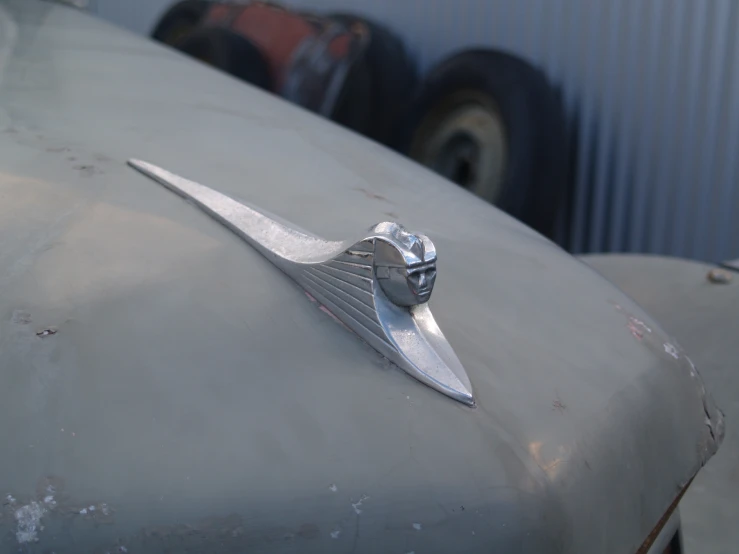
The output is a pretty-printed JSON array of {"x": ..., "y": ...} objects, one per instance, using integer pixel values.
[{"x": 167, "y": 388}]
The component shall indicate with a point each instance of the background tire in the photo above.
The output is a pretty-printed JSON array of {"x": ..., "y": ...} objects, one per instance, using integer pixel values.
[
  {"x": 492, "y": 123},
  {"x": 180, "y": 20},
  {"x": 228, "y": 52},
  {"x": 353, "y": 106},
  {"x": 392, "y": 78}
]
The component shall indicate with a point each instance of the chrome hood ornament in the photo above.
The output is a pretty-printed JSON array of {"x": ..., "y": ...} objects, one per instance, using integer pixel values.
[{"x": 377, "y": 285}]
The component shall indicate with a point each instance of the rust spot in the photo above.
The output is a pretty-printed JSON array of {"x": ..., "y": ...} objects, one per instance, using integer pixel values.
[
  {"x": 637, "y": 328},
  {"x": 370, "y": 194},
  {"x": 557, "y": 405},
  {"x": 635, "y": 331},
  {"x": 661, "y": 523},
  {"x": 51, "y": 484},
  {"x": 86, "y": 170},
  {"x": 308, "y": 531}
]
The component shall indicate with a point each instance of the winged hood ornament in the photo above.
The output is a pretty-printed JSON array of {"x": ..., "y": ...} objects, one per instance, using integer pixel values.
[{"x": 378, "y": 284}]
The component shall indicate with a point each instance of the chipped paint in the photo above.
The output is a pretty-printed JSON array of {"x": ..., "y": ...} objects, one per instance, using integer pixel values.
[
  {"x": 335, "y": 533},
  {"x": 333, "y": 488},
  {"x": 357, "y": 504},
  {"x": 671, "y": 350},
  {"x": 417, "y": 526},
  {"x": 639, "y": 323},
  {"x": 637, "y": 328},
  {"x": 635, "y": 331},
  {"x": 306, "y": 531},
  {"x": 47, "y": 332},
  {"x": 28, "y": 518}
]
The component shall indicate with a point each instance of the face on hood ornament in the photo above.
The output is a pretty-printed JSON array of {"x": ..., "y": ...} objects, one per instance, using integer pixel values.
[
  {"x": 405, "y": 267},
  {"x": 378, "y": 284}
]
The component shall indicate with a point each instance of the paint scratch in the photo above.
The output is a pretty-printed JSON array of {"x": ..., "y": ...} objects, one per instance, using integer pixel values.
[
  {"x": 693, "y": 372},
  {"x": 47, "y": 332},
  {"x": 671, "y": 350},
  {"x": 357, "y": 504},
  {"x": 637, "y": 328}
]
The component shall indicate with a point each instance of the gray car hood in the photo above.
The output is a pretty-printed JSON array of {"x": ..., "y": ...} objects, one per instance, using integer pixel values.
[{"x": 167, "y": 389}]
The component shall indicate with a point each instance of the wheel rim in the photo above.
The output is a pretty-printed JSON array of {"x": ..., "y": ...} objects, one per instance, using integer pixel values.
[{"x": 463, "y": 139}]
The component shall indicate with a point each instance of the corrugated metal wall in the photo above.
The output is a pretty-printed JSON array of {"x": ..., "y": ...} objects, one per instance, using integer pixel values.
[{"x": 652, "y": 94}]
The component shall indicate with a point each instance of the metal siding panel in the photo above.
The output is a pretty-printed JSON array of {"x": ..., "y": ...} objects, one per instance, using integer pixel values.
[
  {"x": 629, "y": 70},
  {"x": 648, "y": 134},
  {"x": 725, "y": 233},
  {"x": 610, "y": 22},
  {"x": 716, "y": 91},
  {"x": 551, "y": 33},
  {"x": 481, "y": 22},
  {"x": 505, "y": 27},
  {"x": 529, "y": 18},
  {"x": 668, "y": 123},
  {"x": 680, "y": 220},
  {"x": 586, "y": 136}
]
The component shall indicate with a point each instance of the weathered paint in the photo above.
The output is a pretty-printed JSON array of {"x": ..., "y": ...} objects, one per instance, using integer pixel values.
[
  {"x": 195, "y": 392},
  {"x": 703, "y": 317}
]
